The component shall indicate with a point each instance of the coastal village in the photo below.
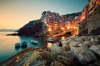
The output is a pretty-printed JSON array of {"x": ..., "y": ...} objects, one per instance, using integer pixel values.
[
  {"x": 82, "y": 48},
  {"x": 57, "y": 24}
]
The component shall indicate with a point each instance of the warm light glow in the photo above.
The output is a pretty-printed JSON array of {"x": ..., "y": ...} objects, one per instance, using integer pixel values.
[
  {"x": 49, "y": 29},
  {"x": 74, "y": 28},
  {"x": 76, "y": 31},
  {"x": 62, "y": 28},
  {"x": 68, "y": 27},
  {"x": 49, "y": 45},
  {"x": 73, "y": 35},
  {"x": 83, "y": 17},
  {"x": 63, "y": 37}
]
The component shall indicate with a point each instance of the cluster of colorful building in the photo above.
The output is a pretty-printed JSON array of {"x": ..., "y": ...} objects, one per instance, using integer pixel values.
[
  {"x": 56, "y": 24},
  {"x": 88, "y": 9}
]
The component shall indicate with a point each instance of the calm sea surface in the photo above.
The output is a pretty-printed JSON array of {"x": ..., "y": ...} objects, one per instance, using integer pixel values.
[{"x": 7, "y": 44}]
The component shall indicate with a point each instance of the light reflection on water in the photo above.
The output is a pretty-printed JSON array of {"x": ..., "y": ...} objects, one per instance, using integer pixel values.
[
  {"x": 7, "y": 43},
  {"x": 49, "y": 45},
  {"x": 63, "y": 37}
]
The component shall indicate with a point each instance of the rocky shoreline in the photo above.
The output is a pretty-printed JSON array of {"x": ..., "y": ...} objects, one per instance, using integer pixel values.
[{"x": 74, "y": 51}]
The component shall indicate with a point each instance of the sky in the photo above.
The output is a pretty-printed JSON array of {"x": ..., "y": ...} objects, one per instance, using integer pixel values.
[{"x": 16, "y": 13}]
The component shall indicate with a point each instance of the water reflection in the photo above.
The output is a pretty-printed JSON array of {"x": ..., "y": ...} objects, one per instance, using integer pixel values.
[
  {"x": 49, "y": 45},
  {"x": 7, "y": 43},
  {"x": 63, "y": 37}
]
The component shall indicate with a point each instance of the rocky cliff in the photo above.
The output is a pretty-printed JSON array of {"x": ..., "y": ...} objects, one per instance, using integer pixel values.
[
  {"x": 91, "y": 25},
  {"x": 93, "y": 22},
  {"x": 33, "y": 28},
  {"x": 39, "y": 27}
]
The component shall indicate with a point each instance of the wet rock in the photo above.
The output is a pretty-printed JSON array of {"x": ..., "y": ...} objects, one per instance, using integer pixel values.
[
  {"x": 56, "y": 63},
  {"x": 38, "y": 62},
  {"x": 86, "y": 42},
  {"x": 78, "y": 39},
  {"x": 64, "y": 42},
  {"x": 91, "y": 39},
  {"x": 73, "y": 43},
  {"x": 48, "y": 55},
  {"x": 83, "y": 54},
  {"x": 55, "y": 49},
  {"x": 95, "y": 49},
  {"x": 86, "y": 57},
  {"x": 80, "y": 45},
  {"x": 91, "y": 65},
  {"x": 67, "y": 54},
  {"x": 32, "y": 58},
  {"x": 97, "y": 63},
  {"x": 66, "y": 60},
  {"x": 66, "y": 48},
  {"x": 63, "y": 60}
]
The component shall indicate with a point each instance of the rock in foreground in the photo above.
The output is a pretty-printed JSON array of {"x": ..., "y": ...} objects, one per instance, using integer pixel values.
[{"x": 75, "y": 51}]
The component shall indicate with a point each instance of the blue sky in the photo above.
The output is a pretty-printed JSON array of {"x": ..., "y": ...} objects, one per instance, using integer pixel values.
[{"x": 15, "y": 13}]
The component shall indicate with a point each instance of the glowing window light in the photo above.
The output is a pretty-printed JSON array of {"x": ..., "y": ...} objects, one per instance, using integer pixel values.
[
  {"x": 62, "y": 28},
  {"x": 68, "y": 27},
  {"x": 74, "y": 28},
  {"x": 49, "y": 29},
  {"x": 83, "y": 17}
]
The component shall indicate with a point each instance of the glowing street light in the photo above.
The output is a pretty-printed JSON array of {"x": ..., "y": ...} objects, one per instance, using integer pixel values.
[
  {"x": 68, "y": 27},
  {"x": 49, "y": 30},
  {"x": 74, "y": 28},
  {"x": 62, "y": 28},
  {"x": 83, "y": 17}
]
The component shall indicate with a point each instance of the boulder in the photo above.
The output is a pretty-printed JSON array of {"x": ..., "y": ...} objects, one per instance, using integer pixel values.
[
  {"x": 91, "y": 65},
  {"x": 38, "y": 62},
  {"x": 48, "y": 56},
  {"x": 95, "y": 49},
  {"x": 64, "y": 41},
  {"x": 56, "y": 63},
  {"x": 55, "y": 49},
  {"x": 73, "y": 43},
  {"x": 81, "y": 45},
  {"x": 86, "y": 56},
  {"x": 83, "y": 54},
  {"x": 86, "y": 42},
  {"x": 34, "y": 56},
  {"x": 66, "y": 48},
  {"x": 97, "y": 63},
  {"x": 67, "y": 61}
]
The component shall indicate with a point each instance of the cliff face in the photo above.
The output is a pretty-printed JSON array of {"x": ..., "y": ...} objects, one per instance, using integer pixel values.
[
  {"x": 33, "y": 28},
  {"x": 91, "y": 25},
  {"x": 93, "y": 22}
]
